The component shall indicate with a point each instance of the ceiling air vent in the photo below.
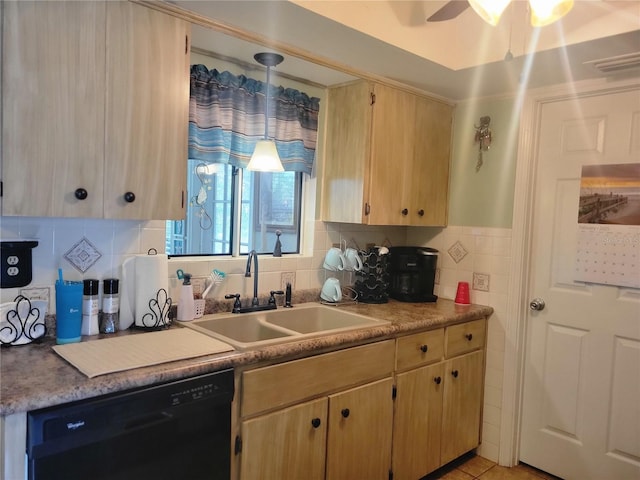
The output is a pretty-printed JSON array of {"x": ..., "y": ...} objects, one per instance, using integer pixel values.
[{"x": 617, "y": 64}]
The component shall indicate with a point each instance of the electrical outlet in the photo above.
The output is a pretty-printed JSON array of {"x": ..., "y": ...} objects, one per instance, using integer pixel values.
[
  {"x": 37, "y": 293},
  {"x": 288, "y": 277}
]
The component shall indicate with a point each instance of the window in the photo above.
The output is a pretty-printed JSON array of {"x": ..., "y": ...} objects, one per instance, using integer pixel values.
[
  {"x": 232, "y": 210},
  {"x": 269, "y": 203}
]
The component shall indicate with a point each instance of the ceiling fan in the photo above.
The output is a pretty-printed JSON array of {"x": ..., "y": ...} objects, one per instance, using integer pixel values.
[{"x": 451, "y": 10}]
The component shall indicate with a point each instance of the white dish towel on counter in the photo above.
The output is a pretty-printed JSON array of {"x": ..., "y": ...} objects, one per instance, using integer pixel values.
[{"x": 109, "y": 355}]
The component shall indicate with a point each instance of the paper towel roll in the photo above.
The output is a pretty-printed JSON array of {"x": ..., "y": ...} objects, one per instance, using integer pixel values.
[{"x": 144, "y": 296}]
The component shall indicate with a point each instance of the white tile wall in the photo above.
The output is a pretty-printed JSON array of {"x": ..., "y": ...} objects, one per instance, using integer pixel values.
[{"x": 489, "y": 252}]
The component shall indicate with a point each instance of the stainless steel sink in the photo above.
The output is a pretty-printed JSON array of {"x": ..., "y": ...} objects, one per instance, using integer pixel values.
[{"x": 246, "y": 330}]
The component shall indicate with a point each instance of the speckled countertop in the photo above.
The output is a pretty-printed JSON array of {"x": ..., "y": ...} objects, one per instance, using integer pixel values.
[{"x": 34, "y": 376}]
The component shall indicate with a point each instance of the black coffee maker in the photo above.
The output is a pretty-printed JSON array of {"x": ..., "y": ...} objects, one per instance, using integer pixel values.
[{"x": 412, "y": 273}]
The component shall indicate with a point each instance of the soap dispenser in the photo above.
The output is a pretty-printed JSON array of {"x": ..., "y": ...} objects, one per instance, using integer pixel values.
[{"x": 186, "y": 305}]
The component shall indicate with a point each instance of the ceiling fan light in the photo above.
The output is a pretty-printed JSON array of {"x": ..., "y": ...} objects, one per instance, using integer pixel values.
[
  {"x": 545, "y": 12},
  {"x": 265, "y": 158},
  {"x": 489, "y": 10}
]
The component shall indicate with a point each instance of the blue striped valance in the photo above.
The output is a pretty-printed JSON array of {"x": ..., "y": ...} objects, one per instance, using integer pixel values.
[{"x": 226, "y": 119}]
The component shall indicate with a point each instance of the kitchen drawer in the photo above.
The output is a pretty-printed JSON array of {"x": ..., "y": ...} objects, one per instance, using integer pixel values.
[
  {"x": 464, "y": 337},
  {"x": 291, "y": 382},
  {"x": 420, "y": 349}
]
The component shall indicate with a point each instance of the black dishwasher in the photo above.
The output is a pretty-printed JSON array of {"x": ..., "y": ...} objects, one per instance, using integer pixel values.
[{"x": 176, "y": 430}]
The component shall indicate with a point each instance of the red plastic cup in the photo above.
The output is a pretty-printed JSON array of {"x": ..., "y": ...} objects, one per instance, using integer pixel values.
[{"x": 462, "y": 294}]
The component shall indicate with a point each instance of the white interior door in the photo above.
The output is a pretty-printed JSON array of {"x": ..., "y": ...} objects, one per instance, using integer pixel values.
[{"x": 581, "y": 398}]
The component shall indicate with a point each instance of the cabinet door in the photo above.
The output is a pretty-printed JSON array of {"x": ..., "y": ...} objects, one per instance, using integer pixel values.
[
  {"x": 360, "y": 429},
  {"x": 462, "y": 405},
  {"x": 392, "y": 138},
  {"x": 417, "y": 422},
  {"x": 287, "y": 444},
  {"x": 429, "y": 174},
  {"x": 147, "y": 112},
  {"x": 52, "y": 108},
  {"x": 345, "y": 170}
]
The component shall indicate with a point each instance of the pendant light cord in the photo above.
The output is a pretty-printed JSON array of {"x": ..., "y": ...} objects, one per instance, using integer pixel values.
[{"x": 266, "y": 104}]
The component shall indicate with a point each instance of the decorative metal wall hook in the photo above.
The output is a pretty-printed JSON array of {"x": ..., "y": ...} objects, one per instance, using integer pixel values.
[{"x": 482, "y": 138}]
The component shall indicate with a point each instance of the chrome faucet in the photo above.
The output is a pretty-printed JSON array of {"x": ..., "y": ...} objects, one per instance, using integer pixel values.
[
  {"x": 255, "y": 306},
  {"x": 253, "y": 255}
]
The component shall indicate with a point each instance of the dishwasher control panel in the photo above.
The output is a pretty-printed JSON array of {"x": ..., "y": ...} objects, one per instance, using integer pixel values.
[{"x": 198, "y": 392}]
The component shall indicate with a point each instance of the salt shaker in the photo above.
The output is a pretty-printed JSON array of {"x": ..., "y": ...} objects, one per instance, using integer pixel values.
[
  {"x": 109, "y": 322},
  {"x": 90, "y": 307}
]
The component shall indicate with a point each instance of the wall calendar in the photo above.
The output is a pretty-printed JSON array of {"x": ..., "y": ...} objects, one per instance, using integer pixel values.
[{"x": 608, "y": 240}]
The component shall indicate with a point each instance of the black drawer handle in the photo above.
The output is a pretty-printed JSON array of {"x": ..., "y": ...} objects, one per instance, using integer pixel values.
[
  {"x": 129, "y": 197},
  {"x": 421, "y": 212},
  {"x": 345, "y": 412},
  {"x": 424, "y": 348},
  {"x": 454, "y": 373},
  {"x": 438, "y": 380},
  {"x": 315, "y": 422},
  {"x": 469, "y": 336},
  {"x": 81, "y": 193},
  {"x": 405, "y": 212}
]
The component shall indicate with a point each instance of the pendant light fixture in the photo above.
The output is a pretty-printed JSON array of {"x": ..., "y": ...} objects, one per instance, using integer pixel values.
[{"x": 265, "y": 156}]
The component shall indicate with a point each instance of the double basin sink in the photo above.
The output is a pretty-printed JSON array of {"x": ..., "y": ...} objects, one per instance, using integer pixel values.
[{"x": 247, "y": 330}]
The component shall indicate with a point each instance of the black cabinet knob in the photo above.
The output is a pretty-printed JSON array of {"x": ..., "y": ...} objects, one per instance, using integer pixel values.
[
  {"x": 437, "y": 380},
  {"x": 469, "y": 336},
  {"x": 129, "y": 197},
  {"x": 345, "y": 412},
  {"x": 424, "y": 348},
  {"x": 81, "y": 193},
  {"x": 454, "y": 373},
  {"x": 421, "y": 212},
  {"x": 315, "y": 422},
  {"x": 405, "y": 212}
]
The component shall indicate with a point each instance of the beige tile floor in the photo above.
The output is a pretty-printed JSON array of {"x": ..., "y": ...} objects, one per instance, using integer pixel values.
[{"x": 471, "y": 467}]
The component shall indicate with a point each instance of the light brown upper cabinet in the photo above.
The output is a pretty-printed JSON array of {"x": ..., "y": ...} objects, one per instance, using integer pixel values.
[
  {"x": 95, "y": 110},
  {"x": 387, "y": 157}
]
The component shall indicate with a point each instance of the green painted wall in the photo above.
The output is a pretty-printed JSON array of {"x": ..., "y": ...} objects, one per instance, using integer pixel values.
[{"x": 484, "y": 198}]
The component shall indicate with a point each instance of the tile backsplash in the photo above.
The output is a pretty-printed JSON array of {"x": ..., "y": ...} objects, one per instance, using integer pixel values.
[{"x": 480, "y": 256}]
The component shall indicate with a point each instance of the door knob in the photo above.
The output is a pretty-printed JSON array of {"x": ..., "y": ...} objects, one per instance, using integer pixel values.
[{"x": 537, "y": 304}]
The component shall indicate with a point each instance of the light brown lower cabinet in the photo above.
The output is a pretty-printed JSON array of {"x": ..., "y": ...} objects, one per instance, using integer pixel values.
[
  {"x": 290, "y": 443},
  {"x": 417, "y": 424},
  {"x": 461, "y": 405},
  {"x": 334, "y": 416},
  {"x": 342, "y": 436},
  {"x": 438, "y": 406},
  {"x": 359, "y": 439}
]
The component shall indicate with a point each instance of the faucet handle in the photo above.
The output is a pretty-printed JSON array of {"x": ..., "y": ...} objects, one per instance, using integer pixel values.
[
  {"x": 272, "y": 298},
  {"x": 236, "y": 305}
]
